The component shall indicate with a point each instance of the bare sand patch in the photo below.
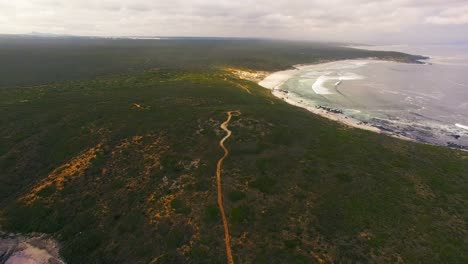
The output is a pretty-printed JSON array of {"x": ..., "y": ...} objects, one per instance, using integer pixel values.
[
  {"x": 246, "y": 74},
  {"x": 73, "y": 168}
]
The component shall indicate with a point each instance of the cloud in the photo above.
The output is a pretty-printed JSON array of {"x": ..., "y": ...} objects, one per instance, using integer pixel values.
[
  {"x": 451, "y": 16},
  {"x": 337, "y": 20}
]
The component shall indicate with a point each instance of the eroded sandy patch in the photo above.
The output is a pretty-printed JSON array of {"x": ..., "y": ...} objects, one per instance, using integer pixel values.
[
  {"x": 245, "y": 74},
  {"x": 74, "y": 168}
]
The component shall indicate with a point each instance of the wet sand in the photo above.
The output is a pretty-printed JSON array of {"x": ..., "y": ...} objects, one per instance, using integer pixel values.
[{"x": 276, "y": 79}]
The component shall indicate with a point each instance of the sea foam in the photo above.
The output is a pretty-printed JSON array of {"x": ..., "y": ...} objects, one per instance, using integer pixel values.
[
  {"x": 319, "y": 85},
  {"x": 462, "y": 126}
]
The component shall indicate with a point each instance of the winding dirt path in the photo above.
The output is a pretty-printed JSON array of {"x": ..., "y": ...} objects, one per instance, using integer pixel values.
[{"x": 227, "y": 239}]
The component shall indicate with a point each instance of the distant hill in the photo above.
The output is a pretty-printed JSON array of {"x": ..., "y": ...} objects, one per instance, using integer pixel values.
[{"x": 41, "y": 60}]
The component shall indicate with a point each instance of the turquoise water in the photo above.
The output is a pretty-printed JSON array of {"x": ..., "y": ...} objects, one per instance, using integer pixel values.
[{"x": 424, "y": 102}]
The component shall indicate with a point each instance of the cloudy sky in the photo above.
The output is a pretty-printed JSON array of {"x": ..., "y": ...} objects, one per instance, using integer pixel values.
[{"x": 378, "y": 21}]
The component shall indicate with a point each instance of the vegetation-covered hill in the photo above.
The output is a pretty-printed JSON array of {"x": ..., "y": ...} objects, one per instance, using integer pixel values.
[
  {"x": 121, "y": 169},
  {"x": 32, "y": 61}
]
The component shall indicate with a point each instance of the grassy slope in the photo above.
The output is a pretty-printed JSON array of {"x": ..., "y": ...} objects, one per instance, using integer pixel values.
[{"x": 298, "y": 187}]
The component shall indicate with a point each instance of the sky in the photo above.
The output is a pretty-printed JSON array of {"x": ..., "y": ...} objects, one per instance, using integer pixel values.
[{"x": 360, "y": 21}]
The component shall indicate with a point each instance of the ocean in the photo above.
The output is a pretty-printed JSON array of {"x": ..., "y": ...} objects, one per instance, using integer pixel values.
[{"x": 423, "y": 102}]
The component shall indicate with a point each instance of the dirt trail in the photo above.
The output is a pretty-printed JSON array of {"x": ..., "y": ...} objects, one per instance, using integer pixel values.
[{"x": 227, "y": 239}]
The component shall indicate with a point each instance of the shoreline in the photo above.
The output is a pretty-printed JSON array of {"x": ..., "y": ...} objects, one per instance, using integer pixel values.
[
  {"x": 327, "y": 114},
  {"x": 274, "y": 80}
]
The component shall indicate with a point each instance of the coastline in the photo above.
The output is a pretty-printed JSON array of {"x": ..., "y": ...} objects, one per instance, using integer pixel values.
[
  {"x": 327, "y": 114},
  {"x": 274, "y": 81}
]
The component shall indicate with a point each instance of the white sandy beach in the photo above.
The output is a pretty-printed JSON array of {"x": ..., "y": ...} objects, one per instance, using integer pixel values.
[
  {"x": 397, "y": 99},
  {"x": 276, "y": 79},
  {"x": 324, "y": 79}
]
